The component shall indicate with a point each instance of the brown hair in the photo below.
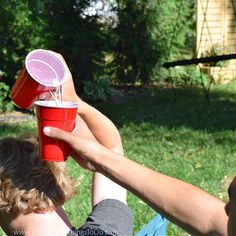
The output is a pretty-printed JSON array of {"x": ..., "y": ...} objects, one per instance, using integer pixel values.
[{"x": 27, "y": 183}]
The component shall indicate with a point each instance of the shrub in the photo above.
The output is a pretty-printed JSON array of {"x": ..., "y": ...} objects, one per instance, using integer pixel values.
[
  {"x": 99, "y": 89},
  {"x": 5, "y": 102}
]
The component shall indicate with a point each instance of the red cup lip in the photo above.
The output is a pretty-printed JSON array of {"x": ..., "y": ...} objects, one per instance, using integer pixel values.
[
  {"x": 51, "y": 54},
  {"x": 63, "y": 104}
]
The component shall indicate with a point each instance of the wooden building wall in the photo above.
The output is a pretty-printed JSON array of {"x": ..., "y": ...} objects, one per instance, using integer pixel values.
[{"x": 216, "y": 24}]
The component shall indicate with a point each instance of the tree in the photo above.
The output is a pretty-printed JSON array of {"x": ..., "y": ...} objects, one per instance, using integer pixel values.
[
  {"x": 20, "y": 32},
  {"x": 145, "y": 34},
  {"x": 81, "y": 38},
  {"x": 136, "y": 38},
  {"x": 62, "y": 26}
]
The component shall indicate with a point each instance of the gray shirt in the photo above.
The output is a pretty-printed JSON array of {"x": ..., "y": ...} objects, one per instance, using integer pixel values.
[{"x": 109, "y": 217}]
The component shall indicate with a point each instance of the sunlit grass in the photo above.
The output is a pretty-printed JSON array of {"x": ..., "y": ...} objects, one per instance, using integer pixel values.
[{"x": 187, "y": 139}]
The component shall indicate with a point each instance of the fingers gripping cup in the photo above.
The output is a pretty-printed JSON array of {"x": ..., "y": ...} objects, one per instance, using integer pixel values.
[
  {"x": 62, "y": 116},
  {"x": 42, "y": 71}
]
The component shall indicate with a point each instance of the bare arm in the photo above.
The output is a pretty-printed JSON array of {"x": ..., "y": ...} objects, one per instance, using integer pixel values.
[
  {"x": 94, "y": 125},
  {"x": 184, "y": 204},
  {"x": 106, "y": 134},
  {"x": 194, "y": 210}
]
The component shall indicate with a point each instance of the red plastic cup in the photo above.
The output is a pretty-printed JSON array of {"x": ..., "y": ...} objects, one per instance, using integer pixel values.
[
  {"x": 63, "y": 117},
  {"x": 43, "y": 71}
]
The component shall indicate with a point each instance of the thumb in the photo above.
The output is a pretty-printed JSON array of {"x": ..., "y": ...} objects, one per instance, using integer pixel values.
[
  {"x": 56, "y": 133},
  {"x": 73, "y": 141},
  {"x": 85, "y": 148}
]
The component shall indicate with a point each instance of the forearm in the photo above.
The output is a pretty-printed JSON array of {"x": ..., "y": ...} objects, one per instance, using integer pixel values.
[
  {"x": 184, "y": 204},
  {"x": 106, "y": 134},
  {"x": 102, "y": 127}
]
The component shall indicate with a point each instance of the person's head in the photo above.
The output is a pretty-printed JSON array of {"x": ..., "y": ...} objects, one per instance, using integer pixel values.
[
  {"x": 27, "y": 183},
  {"x": 231, "y": 208}
]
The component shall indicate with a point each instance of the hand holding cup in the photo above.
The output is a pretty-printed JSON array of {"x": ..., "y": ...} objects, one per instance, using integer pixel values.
[{"x": 62, "y": 116}]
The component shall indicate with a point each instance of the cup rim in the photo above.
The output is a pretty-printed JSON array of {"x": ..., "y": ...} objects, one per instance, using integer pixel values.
[
  {"x": 53, "y": 104},
  {"x": 54, "y": 56}
]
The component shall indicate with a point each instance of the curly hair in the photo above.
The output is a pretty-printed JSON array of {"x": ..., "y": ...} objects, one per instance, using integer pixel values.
[{"x": 29, "y": 184}]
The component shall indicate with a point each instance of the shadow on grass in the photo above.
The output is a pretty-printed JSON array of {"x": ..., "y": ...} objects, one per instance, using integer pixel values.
[
  {"x": 23, "y": 130},
  {"x": 156, "y": 105}
]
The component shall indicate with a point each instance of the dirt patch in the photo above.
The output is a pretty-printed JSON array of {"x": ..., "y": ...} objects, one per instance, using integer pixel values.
[{"x": 15, "y": 117}]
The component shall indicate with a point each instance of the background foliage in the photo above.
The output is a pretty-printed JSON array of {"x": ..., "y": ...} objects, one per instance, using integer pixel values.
[{"x": 126, "y": 43}]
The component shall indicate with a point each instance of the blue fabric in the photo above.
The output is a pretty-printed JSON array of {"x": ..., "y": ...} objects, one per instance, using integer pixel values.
[{"x": 155, "y": 227}]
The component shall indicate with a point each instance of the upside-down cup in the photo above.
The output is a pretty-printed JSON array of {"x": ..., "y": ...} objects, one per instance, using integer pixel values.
[
  {"x": 62, "y": 116},
  {"x": 42, "y": 71}
]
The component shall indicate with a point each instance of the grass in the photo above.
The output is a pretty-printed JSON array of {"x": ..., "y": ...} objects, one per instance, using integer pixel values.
[{"x": 187, "y": 139}]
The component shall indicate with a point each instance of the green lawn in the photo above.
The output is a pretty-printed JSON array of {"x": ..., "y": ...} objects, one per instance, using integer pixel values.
[{"x": 187, "y": 139}]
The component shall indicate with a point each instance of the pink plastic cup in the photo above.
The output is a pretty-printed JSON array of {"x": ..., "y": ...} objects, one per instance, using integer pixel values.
[
  {"x": 43, "y": 71},
  {"x": 63, "y": 117}
]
